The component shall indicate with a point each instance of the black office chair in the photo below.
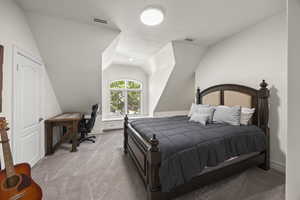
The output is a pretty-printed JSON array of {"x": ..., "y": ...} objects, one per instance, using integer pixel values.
[{"x": 86, "y": 126}]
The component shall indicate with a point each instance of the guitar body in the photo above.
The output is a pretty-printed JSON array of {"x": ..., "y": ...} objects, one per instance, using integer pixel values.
[{"x": 21, "y": 186}]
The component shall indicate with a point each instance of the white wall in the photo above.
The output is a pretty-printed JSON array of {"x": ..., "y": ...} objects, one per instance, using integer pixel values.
[
  {"x": 162, "y": 65},
  {"x": 116, "y": 72},
  {"x": 259, "y": 52},
  {"x": 72, "y": 52},
  {"x": 16, "y": 32},
  {"x": 293, "y": 137}
]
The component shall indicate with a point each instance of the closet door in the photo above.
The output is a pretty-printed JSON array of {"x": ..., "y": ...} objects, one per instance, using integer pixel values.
[{"x": 27, "y": 136}]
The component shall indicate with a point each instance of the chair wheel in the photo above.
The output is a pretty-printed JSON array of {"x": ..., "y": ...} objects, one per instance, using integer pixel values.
[{"x": 93, "y": 141}]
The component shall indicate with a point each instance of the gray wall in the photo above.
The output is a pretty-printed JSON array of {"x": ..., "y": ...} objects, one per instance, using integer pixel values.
[
  {"x": 259, "y": 52},
  {"x": 72, "y": 53},
  {"x": 293, "y": 137}
]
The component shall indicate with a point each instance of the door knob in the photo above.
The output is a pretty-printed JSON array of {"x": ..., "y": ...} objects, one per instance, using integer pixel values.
[{"x": 41, "y": 119}]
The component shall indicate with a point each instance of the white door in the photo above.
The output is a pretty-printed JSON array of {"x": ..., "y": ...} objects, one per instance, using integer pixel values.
[{"x": 27, "y": 110}]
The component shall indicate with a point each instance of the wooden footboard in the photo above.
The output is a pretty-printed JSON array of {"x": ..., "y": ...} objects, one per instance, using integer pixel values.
[{"x": 146, "y": 157}]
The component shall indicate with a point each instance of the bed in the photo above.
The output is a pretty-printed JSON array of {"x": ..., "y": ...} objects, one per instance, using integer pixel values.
[{"x": 174, "y": 156}]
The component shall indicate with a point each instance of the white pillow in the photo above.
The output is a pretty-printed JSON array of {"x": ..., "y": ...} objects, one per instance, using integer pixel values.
[
  {"x": 195, "y": 107},
  {"x": 229, "y": 115},
  {"x": 246, "y": 115},
  {"x": 201, "y": 118}
]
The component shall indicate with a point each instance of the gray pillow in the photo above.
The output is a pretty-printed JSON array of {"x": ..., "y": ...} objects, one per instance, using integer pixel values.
[
  {"x": 226, "y": 114},
  {"x": 195, "y": 107},
  {"x": 197, "y": 117},
  {"x": 208, "y": 111}
]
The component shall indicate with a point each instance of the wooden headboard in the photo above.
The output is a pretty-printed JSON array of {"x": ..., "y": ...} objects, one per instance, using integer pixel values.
[{"x": 232, "y": 94}]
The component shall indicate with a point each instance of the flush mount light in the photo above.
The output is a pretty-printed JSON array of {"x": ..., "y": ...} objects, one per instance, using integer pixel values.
[
  {"x": 152, "y": 16},
  {"x": 130, "y": 59}
]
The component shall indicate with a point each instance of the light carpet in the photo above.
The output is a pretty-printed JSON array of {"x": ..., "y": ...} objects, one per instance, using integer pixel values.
[{"x": 101, "y": 171}]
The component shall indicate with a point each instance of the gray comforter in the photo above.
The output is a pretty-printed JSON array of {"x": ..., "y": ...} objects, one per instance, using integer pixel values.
[{"x": 188, "y": 147}]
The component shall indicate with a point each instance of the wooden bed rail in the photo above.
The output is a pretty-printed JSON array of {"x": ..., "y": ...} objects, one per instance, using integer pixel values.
[{"x": 125, "y": 134}]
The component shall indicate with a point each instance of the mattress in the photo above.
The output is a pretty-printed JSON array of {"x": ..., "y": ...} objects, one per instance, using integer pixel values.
[{"x": 188, "y": 148}]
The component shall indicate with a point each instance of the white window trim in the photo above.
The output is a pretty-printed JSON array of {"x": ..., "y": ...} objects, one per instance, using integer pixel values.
[{"x": 125, "y": 92}]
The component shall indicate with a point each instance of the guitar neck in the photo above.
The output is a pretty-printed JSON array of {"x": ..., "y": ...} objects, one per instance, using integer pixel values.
[{"x": 8, "y": 160}]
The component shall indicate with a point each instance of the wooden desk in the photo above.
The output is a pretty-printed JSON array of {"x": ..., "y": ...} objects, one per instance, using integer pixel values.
[{"x": 68, "y": 120}]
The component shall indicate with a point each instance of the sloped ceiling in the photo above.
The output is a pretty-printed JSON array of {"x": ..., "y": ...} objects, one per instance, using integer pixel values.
[
  {"x": 179, "y": 91},
  {"x": 72, "y": 54},
  {"x": 71, "y": 44},
  {"x": 162, "y": 64}
]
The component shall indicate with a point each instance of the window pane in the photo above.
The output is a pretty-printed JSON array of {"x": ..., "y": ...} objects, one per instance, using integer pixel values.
[
  {"x": 117, "y": 102},
  {"x": 117, "y": 84},
  {"x": 134, "y": 102},
  {"x": 133, "y": 85}
]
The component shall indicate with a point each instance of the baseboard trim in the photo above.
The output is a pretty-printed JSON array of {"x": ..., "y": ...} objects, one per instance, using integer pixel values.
[
  {"x": 278, "y": 166},
  {"x": 171, "y": 113}
]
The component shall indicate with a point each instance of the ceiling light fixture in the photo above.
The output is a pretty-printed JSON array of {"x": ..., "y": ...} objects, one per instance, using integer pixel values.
[
  {"x": 131, "y": 59},
  {"x": 152, "y": 16}
]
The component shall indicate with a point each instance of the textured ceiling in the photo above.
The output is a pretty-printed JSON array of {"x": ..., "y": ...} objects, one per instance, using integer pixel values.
[{"x": 205, "y": 20}]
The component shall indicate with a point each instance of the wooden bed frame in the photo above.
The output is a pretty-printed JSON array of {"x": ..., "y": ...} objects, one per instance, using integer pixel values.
[{"x": 147, "y": 156}]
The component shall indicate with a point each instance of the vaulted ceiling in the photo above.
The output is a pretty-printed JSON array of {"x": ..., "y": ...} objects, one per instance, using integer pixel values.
[{"x": 207, "y": 21}]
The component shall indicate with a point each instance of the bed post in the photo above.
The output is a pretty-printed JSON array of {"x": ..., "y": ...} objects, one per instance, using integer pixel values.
[
  {"x": 198, "y": 96},
  {"x": 154, "y": 160},
  {"x": 263, "y": 119},
  {"x": 125, "y": 134}
]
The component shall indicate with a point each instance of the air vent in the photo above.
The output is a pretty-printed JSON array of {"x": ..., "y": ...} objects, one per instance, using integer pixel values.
[
  {"x": 189, "y": 39},
  {"x": 102, "y": 21}
]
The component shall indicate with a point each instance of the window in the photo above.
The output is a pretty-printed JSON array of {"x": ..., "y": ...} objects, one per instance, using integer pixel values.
[{"x": 125, "y": 97}]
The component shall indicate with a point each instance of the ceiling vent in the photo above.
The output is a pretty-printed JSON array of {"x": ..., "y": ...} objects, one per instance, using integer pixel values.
[
  {"x": 189, "y": 39},
  {"x": 101, "y": 21}
]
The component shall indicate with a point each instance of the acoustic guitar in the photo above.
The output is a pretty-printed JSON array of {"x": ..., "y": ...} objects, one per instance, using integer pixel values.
[{"x": 15, "y": 180}]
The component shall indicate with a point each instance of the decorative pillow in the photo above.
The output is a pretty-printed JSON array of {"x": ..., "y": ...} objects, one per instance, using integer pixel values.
[
  {"x": 226, "y": 114},
  {"x": 246, "y": 115},
  {"x": 194, "y": 107},
  {"x": 208, "y": 111},
  {"x": 201, "y": 118}
]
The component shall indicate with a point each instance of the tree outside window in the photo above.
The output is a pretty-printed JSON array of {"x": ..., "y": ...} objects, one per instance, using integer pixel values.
[{"x": 125, "y": 97}]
